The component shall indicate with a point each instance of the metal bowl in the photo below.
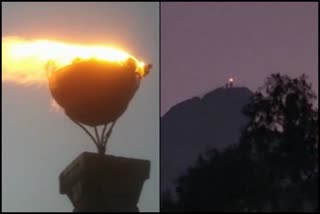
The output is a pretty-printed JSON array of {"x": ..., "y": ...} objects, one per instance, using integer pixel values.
[{"x": 94, "y": 92}]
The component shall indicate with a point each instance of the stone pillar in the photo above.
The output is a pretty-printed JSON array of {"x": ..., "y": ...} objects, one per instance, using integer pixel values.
[{"x": 104, "y": 183}]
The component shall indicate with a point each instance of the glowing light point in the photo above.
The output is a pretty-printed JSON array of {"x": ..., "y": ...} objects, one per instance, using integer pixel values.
[{"x": 230, "y": 82}]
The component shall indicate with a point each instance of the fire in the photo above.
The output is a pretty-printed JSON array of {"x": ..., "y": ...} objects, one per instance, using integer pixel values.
[
  {"x": 27, "y": 62},
  {"x": 231, "y": 79}
]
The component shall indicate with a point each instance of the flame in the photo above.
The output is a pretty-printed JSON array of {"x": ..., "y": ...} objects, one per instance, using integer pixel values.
[
  {"x": 231, "y": 79},
  {"x": 26, "y": 61}
]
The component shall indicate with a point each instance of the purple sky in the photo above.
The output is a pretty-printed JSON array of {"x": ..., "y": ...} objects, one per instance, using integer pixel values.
[{"x": 202, "y": 44}]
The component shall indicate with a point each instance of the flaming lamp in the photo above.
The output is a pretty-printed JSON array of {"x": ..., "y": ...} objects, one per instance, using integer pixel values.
[
  {"x": 96, "y": 92},
  {"x": 93, "y": 85}
]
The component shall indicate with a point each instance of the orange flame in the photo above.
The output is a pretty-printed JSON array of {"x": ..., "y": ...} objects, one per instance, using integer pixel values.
[{"x": 26, "y": 62}]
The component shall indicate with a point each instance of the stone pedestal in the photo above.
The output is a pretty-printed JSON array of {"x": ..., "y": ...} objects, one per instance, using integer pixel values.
[{"x": 104, "y": 183}]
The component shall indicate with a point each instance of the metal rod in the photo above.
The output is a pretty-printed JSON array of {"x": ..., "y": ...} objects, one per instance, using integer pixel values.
[
  {"x": 109, "y": 133},
  {"x": 84, "y": 128},
  {"x": 103, "y": 131},
  {"x": 97, "y": 135}
]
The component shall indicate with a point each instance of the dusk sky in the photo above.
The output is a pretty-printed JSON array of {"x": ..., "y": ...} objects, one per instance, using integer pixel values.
[
  {"x": 203, "y": 44},
  {"x": 38, "y": 143}
]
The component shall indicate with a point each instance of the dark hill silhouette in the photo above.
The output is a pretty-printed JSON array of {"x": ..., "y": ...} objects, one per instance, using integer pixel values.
[{"x": 188, "y": 128}]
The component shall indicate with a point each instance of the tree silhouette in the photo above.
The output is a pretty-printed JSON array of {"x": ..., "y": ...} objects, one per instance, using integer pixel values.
[
  {"x": 275, "y": 164},
  {"x": 216, "y": 183},
  {"x": 168, "y": 204},
  {"x": 282, "y": 134}
]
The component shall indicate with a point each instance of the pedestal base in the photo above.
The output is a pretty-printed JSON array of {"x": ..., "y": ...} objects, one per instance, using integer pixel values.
[{"x": 104, "y": 183}]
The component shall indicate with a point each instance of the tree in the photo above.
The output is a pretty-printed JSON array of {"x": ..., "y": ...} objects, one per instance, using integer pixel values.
[
  {"x": 275, "y": 164},
  {"x": 217, "y": 182},
  {"x": 283, "y": 134},
  {"x": 283, "y": 121},
  {"x": 168, "y": 204}
]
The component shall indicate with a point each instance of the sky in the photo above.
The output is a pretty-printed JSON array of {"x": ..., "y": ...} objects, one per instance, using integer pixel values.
[
  {"x": 37, "y": 142},
  {"x": 203, "y": 44}
]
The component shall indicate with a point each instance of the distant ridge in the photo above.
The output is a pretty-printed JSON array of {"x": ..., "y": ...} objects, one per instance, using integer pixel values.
[{"x": 214, "y": 120}]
